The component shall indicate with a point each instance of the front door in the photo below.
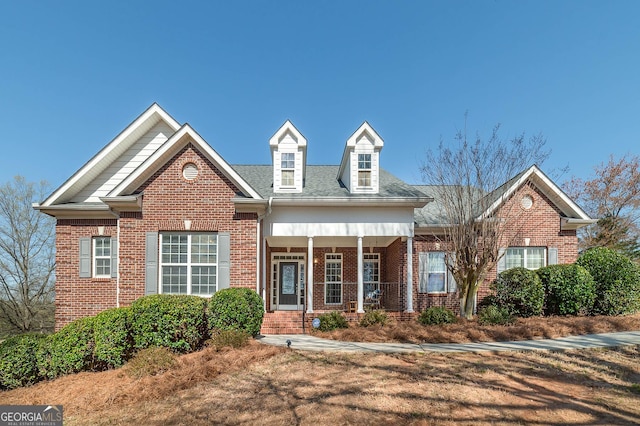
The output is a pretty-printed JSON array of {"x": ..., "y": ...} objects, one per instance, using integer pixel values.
[{"x": 287, "y": 294}]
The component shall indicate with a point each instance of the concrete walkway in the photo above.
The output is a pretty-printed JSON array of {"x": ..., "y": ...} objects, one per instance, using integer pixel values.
[{"x": 306, "y": 342}]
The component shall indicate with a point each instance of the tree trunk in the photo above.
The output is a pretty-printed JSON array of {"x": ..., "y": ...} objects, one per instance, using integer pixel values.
[{"x": 467, "y": 303}]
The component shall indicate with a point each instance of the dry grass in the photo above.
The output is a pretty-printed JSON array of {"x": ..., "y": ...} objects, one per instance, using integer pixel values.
[
  {"x": 260, "y": 384},
  {"x": 470, "y": 331}
]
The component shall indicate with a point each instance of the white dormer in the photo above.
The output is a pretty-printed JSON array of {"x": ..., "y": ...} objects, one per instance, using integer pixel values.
[
  {"x": 288, "y": 150},
  {"x": 360, "y": 167}
]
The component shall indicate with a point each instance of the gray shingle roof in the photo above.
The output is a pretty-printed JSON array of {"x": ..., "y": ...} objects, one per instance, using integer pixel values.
[{"x": 321, "y": 181}]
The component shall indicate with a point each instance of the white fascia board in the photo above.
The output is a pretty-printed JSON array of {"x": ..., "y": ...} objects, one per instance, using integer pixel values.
[
  {"x": 167, "y": 149},
  {"x": 569, "y": 223},
  {"x": 287, "y": 126},
  {"x": 360, "y": 201},
  {"x": 154, "y": 109},
  {"x": 550, "y": 186},
  {"x": 77, "y": 211},
  {"x": 131, "y": 203}
]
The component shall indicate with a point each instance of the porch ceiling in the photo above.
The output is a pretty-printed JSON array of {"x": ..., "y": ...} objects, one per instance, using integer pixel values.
[{"x": 368, "y": 241}]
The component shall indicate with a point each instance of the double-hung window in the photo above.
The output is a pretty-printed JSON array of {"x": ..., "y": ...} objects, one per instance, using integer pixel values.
[
  {"x": 525, "y": 257},
  {"x": 189, "y": 263},
  {"x": 364, "y": 170},
  {"x": 102, "y": 257},
  {"x": 371, "y": 272},
  {"x": 333, "y": 279},
  {"x": 287, "y": 168},
  {"x": 434, "y": 276}
]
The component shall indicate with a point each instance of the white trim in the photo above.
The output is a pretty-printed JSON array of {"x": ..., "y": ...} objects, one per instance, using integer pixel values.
[
  {"x": 185, "y": 135},
  {"x": 550, "y": 186},
  {"x": 95, "y": 257},
  {"x": 154, "y": 111},
  {"x": 337, "y": 257}
]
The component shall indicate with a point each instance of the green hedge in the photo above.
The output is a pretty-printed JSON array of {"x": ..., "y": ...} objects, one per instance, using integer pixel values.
[
  {"x": 332, "y": 321},
  {"x": 494, "y": 315},
  {"x": 172, "y": 321},
  {"x": 569, "y": 289},
  {"x": 114, "y": 342},
  {"x": 18, "y": 362},
  {"x": 68, "y": 351},
  {"x": 617, "y": 281},
  {"x": 236, "y": 309},
  {"x": 436, "y": 315},
  {"x": 520, "y": 291}
]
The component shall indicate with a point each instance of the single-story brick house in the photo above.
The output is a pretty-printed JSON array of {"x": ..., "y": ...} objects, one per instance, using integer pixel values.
[{"x": 158, "y": 210}]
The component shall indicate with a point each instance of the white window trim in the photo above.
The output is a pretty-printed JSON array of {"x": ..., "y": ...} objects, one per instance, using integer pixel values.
[
  {"x": 447, "y": 283},
  {"x": 525, "y": 256},
  {"x": 188, "y": 265},
  {"x": 372, "y": 258},
  {"x": 369, "y": 170},
  {"x": 287, "y": 169},
  {"x": 95, "y": 258},
  {"x": 327, "y": 260}
]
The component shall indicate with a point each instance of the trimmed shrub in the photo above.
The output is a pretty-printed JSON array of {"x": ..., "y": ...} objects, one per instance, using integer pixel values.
[
  {"x": 332, "y": 321},
  {"x": 114, "y": 343},
  {"x": 569, "y": 289},
  {"x": 520, "y": 291},
  {"x": 150, "y": 362},
  {"x": 68, "y": 351},
  {"x": 171, "y": 321},
  {"x": 436, "y": 315},
  {"x": 18, "y": 362},
  {"x": 617, "y": 281},
  {"x": 495, "y": 315},
  {"x": 236, "y": 309},
  {"x": 228, "y": 338},
  {"x": 374, "y": 317}
]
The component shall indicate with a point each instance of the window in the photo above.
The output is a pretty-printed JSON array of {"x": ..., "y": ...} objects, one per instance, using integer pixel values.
[
  {"x": 525, "y": 257},
  {"x": 102, "y": 257},
  {"x": 364, "y": 170},
  {"x": 333, "y": 278},
  {"x": 189, "y": 263},
  {"x": 434, "y": 276},
  {"x": 371, "y": 272},
  {"x": 287, "y": 168}
]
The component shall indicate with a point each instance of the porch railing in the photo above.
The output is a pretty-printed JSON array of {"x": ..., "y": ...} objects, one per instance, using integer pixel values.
[{"x": 386, "y": 295}]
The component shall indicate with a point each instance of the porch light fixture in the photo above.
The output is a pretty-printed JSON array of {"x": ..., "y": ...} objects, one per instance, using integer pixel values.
[{"x": 315, "y": 260}]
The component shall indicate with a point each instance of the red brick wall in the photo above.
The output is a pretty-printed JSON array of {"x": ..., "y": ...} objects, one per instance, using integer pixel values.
[
  {"x": 540, "y": 224},
  {"x": 168, "y": 201}
]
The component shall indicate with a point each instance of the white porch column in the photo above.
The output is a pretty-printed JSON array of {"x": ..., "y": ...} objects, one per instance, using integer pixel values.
[
  {"x": 409, "y": 274},
  {"x": 360, "y": 278},
  {"x": 310, "y": 275}
]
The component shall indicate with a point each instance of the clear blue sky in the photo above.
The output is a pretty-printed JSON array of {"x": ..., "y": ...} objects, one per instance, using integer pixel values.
[{"x": 73, "y": 74}]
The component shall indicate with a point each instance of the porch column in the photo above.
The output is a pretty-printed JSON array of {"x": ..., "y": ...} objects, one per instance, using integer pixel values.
[
  {"x": 310, "y": 275},
  {"x": 360, "y": 278},
  {"x": 409, "y": 274}
]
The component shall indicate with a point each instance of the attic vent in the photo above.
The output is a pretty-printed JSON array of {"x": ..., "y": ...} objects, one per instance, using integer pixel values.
[{"x": 190, "y": 171}]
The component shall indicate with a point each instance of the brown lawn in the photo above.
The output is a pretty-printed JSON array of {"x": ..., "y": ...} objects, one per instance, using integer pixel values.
[{"x": 274, "y": 386}]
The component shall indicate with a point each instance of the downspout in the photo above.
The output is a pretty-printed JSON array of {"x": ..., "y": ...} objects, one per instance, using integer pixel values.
[
  {"x": 262, "y": 256},
  {"x": 117, "y": 215}
]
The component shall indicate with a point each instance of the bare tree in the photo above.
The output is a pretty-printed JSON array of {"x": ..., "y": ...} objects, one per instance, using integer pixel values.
[
  {"x": 613, "y": 195},
  {"x": 469, "y": 179},
  {"x": 27, "y": 259}
]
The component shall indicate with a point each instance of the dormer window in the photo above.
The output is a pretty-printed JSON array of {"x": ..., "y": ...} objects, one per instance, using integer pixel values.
[
  {"x": 364, "y": 170},
  {"x": 288, "y": 168},
  {"x": 359, "y": 169}
]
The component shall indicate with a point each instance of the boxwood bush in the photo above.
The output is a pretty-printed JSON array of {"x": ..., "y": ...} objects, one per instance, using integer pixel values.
[
  {"x": 236, "y": 309},
  {"x": 617, "y": 281},
  {"x": 332, "y": 321},
  {"x": 68, "y": 351},
  {"x": 494, "y": 315},
  {"x": 373, "y": 317},
  {"x": 176, "y": 322},
  {"x": 436, "y": 315},
  {"x": 114, "y": 342},
  {"x": 520, "y": 291},
  {"x": 569, "y": 289},
  {"x": 18, "y": 362}
]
